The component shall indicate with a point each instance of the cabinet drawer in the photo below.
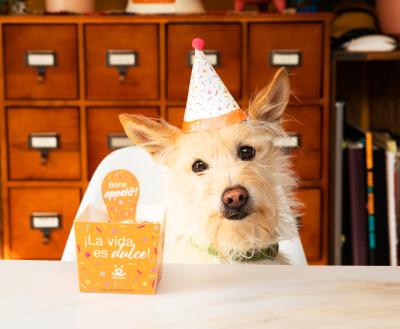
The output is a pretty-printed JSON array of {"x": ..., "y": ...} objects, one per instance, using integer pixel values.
[
  {"x": 122, "y": 61},
  {"x": 105, "y": 132},
  {"x": 222, "y": 46},
  {"x": 40, "y": 61},
  {"x": 303, "y": 124},
  {"x": 298, "y": 46},
  {"x": 43, "y": 143},
  {"x": 41, "y": 219},
  {"x": 175, "y": 116},
  {"x": 310, "y": 223}
]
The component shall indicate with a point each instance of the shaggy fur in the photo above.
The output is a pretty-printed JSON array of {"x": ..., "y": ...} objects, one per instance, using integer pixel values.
[{"x": 195, "y": 217}]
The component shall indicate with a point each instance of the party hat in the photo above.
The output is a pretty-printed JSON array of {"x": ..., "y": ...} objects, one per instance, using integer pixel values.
[{"x": 209, "y": 104}]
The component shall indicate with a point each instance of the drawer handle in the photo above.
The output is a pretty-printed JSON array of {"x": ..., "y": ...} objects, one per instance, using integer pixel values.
[
  {"x": 44, "y": 142},
  {"x": 46, "y": 222},
  {"x": 289, "y": 142},
  {"x": 213, "y": 56},
  {"x": 41, "y": 60},
  {"x": 288, "y": 58},
  {"x": 122, "y": 60},
  {"x": 118, "y": 140}
]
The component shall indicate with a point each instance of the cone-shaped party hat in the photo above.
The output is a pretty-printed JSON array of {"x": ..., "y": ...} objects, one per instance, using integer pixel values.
[{"x": 209, "y": 104}]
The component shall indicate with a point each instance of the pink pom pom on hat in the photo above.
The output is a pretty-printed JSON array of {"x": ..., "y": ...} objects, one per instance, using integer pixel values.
[
  {"x": 198, "y": 43},
  {"x": 209, "y": 104}
]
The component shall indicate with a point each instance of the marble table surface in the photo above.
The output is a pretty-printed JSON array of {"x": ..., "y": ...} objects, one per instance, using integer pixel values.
[{"x": 42, "y": 294}]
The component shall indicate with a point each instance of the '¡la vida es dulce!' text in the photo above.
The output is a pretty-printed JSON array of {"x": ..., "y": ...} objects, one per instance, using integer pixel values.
[{"x": 125, "y": 248}]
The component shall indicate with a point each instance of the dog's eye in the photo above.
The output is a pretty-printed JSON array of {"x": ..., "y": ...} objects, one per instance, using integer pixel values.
[
  {"x": 199, "y": 166},
  {"x": 246, "y": 153}
]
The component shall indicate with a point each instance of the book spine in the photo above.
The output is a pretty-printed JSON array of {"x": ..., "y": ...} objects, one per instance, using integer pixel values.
[
  {"x": 358, "y": 211},
  {"x": 397, "y": 201},
  {"x": 390, "y": 170},
  {"x": 338, "y": 182},
  {"x": 370, "y": 197}
]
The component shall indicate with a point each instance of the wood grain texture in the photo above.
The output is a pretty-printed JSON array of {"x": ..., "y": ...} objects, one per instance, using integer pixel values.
[
  {"x": 27, "y": 243},
  {"x": 175, "y": 116},
  {"x": 3, "y": 158},
  {"x": 101, "y": 123},
  {"x": 306, "y": 80},
  {"x": 81, "y": 102},
  {"x": 61, "y": 81},
  {"x": 162, "y": 19},
  {"x": 305, "y": 121},
  {"x": 224, "y": 38},
  {"x": 103, "y": 81},
  {"x": 311, "y": 224},
  {"x": 25, "y": 163}
]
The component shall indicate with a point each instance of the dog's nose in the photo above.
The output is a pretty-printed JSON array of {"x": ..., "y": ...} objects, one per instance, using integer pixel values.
[{"x": 235, "y": 197}]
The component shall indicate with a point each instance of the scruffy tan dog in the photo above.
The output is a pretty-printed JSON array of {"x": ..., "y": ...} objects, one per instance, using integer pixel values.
[{"x": 231, "y": 190}]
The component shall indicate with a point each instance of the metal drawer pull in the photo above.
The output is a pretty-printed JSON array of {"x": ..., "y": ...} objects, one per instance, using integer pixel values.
[
  {"x": 46, "y": 222},
  {"x": 288, "y": 58},
  {"x": 211, "y": 55},
  {"x": 289, "y": 142},
  {"x": 118, "y": 140},
  {"x": 41, "y": 60},
  {"x": 122, "y": 60},
  {"x": 44, "y": 142}
]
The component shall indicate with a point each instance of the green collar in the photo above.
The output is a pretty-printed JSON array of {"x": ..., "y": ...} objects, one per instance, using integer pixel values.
[{"x": 269, "y": 252}]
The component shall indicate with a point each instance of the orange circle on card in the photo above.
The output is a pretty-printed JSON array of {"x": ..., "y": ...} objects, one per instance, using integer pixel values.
[{"x": 120, "y": 190}]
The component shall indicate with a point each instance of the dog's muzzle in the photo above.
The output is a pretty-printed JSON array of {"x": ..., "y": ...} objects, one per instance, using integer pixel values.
[{"x": 235, "y": 200}]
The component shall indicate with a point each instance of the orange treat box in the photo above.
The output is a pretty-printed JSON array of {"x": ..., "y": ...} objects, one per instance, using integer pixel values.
[{"x": 116, "y": 252}]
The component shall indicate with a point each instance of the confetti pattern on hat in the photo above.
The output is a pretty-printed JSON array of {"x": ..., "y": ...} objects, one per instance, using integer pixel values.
[{"x": 208, "y": 97}]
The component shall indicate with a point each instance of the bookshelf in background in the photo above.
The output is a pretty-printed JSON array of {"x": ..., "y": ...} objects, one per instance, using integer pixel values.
[{"x": 366, "y": 167}]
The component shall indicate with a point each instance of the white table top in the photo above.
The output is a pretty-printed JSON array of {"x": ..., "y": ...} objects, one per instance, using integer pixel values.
[{"x": 45, "y": 295}]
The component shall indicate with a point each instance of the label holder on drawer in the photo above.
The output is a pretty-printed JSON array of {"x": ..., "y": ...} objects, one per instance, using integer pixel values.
[
  {"x": 122, "y": 60},
  {"x": 287, "y": 58},
  {"x": 289, "y": 142},
  {"x": 41, "y": 60},
  {"x": 118, "y": 140},
  {"x": 46, "y": 222},
  {"x": 44, "y": 142},
  {"x": 213, "y": 56}
]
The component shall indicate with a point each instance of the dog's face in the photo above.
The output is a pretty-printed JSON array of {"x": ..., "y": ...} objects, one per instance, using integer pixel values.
[{"x": 230, "y": 187}]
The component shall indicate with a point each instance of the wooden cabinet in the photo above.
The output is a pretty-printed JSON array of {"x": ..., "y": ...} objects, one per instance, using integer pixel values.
[
  {"x": 41, "y": 219},
  {"x": 65, "y": 79},
  {"x": 310, "y": 224},
  {"x": 298, "y": 46},
  {"x": 303, "y": 124},
  {"x": 121, "y": 61},
  {"x": 41, "y": 141},
  {"x": 40, "y": 63},
  {"x": 222, "y": 49},
  {"x": 175, "y": 116},
  {"x": 105, "y": 132}
]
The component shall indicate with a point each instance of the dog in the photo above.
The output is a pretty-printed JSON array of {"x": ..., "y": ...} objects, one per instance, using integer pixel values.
[{"x": 231, "y": 190}]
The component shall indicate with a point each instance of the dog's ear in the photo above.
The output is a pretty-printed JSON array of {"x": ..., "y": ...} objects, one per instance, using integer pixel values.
[
  {"x": 152, "y": 134},
  {"x": 270, "y": 103}
]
